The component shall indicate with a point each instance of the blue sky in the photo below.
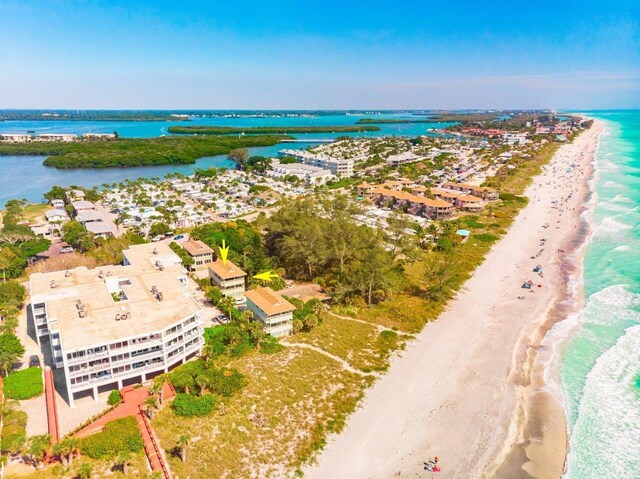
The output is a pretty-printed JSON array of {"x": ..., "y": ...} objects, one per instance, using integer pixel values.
[{"x": 324, "y": 55}]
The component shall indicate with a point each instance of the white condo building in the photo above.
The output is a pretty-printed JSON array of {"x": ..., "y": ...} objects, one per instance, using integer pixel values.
[
  {"x": 117, "y": 325},
  {"x": 339, "y": 167}
]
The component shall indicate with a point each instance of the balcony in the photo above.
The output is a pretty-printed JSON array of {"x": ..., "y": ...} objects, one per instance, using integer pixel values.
[
  {"x": 88, "y": 357},
  {"x": 90, "y": 369}
]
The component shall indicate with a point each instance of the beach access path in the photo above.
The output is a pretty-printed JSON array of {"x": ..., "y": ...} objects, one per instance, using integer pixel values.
[{"x": 454, "y": 392}]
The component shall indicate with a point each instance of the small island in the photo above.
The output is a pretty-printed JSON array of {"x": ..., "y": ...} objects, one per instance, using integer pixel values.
[
  {"x": 129, "y": 152},
  {"x": 267, "y": 130}
]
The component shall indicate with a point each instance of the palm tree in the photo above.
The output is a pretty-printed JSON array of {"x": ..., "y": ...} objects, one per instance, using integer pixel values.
[
  {"x": 122, "y": 462},
  {"x": 226, "y": 304},
  {"x": 156, "y": 389},
  {"x": 38, "y": 447},
  {"x": 183, "y": 442},
  {"x": 151, "y": 406},
  {"x": 65, "y": 449}
]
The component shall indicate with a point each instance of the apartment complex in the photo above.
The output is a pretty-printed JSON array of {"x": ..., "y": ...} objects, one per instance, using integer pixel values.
[
  {"x": 229, "y": 278},
  {"x": 338, "y": 167},
  {"x": 272, "y": 310},
  {"x": 117, "y": 325}
]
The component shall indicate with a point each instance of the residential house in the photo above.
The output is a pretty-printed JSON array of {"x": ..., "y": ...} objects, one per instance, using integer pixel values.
[
  {"x": 201, "y": 253},
  {"x": 272, "y": 310},
  {"x": 229, "y": 278}
]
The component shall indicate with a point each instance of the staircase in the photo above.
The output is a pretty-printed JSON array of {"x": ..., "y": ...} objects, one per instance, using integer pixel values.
[{"x": 156, "y": 459}]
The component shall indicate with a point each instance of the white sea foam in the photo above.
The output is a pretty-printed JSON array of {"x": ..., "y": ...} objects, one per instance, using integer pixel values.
[
  {"x": 612, "y": 184},
  {"x": 622, "y": 199},
  {"x": 610, "y": 225},
  {"x": 606, "y": 438},
  {"x": 612, "y": 305}
]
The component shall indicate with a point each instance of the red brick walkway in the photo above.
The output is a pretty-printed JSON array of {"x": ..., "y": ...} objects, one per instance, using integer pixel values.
[
  {"x": 52, "y": 408},
  {"x": 132, "y": 401}
]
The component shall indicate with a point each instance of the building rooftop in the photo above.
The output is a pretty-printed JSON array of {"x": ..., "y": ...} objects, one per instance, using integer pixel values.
[
  {"x": 195, "y": 247},
  {"x": 65, "y": 293},
  {"x": 226, "y": 270},
  {"x": 89, "y": 215},
  {"x": 82, "y": 205},
  {"x": 269, "y": 301},
  {"x": 98, "y": 227}
]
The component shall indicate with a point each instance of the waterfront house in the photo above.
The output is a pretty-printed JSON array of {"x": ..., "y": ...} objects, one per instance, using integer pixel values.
[
  {"x": 229, "y": 278},
  {"x": 272, "y": 310}
]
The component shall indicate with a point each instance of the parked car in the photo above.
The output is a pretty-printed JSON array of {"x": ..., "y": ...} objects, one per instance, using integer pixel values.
[
  {"x": 179, "y": 237},
  {"x": 157, "y": 238},
  {"x": 34, "y": 361},
  {"x": 67, "y": 249}
]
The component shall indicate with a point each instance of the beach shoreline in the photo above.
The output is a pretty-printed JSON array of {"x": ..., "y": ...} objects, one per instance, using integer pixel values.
[
  {"x": 540, "y": 446},
  {"x": 470, "y": 388}
]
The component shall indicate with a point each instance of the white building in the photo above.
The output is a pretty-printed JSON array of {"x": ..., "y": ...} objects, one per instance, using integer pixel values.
[
  {"x": 403, "y": 158},
  {"x": 272, "y": 310},
  {"x": 56, "y": 215},
  {"x": 309, "y": 174},
  {"x": 15, "y": 137},
  {"x": 339, "y": 167},
  {"x": 63, "y": 137},
  {"x": 117, "y": 325}
]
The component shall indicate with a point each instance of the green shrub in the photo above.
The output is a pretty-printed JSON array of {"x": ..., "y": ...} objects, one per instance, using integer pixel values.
[
  {"x": 114, "y": 397},
  {"x": 13, "y": 433},
  {"x": 24, "y": 384},
  {"x": 119, "y": 437},
  {"x": 485, "y": 237},
  {"x": 189, "y": 405},
  {"x": 270, "y": 345}
]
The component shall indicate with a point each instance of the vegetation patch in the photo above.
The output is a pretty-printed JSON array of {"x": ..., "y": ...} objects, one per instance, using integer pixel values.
[
  {"x": 24, "y": 384},
  {"x": 126, "y": 152},
  {"x": 119, "y": 437},
  {"x": 189, "y": 405},
  {"x": 267, "y": 130},
  {"x": 292, "y": 400}
]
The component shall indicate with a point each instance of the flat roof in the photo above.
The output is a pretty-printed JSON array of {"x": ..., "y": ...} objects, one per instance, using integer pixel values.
[
  {"x": 151, "y": 255},
  {"x": 195, "y": 247},
  {"x": 94, "y": 288},
  {"x": 226, "y": 270},
  {"x": 269, "y": 301}
]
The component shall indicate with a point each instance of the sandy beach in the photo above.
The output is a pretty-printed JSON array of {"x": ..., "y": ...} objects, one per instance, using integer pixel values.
[{"x": 470, "y": 389}]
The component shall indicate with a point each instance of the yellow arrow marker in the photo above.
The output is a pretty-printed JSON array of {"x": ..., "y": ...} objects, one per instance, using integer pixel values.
[
  {"x": 224, "y": 252},
  {"x": 266, "y": 276}
]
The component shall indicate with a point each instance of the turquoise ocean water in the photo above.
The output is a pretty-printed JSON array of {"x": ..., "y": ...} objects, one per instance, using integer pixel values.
[{"x": 600, "y": 360}]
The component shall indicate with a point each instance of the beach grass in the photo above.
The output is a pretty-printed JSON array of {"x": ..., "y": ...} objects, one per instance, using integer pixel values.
[
  {"x": 292, "y": 400},
  {"x": 136, "y": 469},
  {"x": 361, "y": 345}
]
